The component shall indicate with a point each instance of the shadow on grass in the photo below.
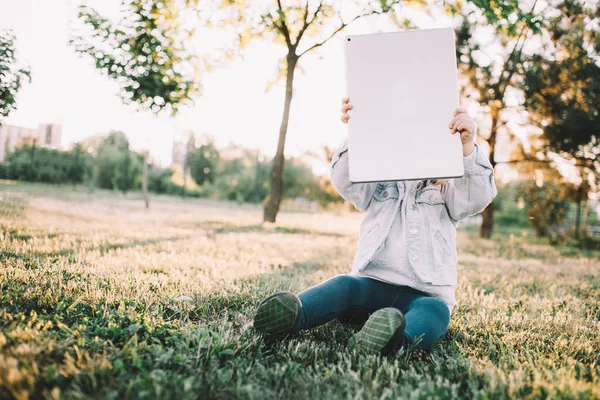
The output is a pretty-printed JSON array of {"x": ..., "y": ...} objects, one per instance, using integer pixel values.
[
  {"x": 33, "y": 258},
  {"x": 215, "y": 227}
]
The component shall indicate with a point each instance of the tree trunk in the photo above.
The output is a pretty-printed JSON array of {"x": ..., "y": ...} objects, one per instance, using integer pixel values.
[
  {"x": 32, "y": 163},
  {"x": 578, "y": 214},
  {"x": 272, "y": 205},
  {"x": 126, "y": 163},
  {"x": 487, "y": 223},
  {"x": 145, "y": 180},
  {"x": 255, "y": 195},
  {"x": 184, "y": 168},
  {"x": 584, "y": 219}
]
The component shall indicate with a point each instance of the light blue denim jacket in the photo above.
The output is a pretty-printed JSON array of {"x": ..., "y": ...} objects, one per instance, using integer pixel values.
[{"x": 433, "y": 210}]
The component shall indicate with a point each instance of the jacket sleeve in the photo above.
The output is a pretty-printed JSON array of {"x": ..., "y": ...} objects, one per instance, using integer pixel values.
[
  {"x": 359, "y": 194},
  {"x": 473, "y": 192}
]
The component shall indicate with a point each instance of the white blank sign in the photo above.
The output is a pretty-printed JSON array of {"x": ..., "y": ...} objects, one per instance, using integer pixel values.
[{"x": 404, "y": 89}]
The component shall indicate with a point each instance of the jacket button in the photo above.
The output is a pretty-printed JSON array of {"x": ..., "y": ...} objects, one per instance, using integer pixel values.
[
  {"x": 414, "y": 231},
  {"x": 431, "y": 198},
  {"x": 415, "y": 257},
  {"x": 412, "y": 207}
]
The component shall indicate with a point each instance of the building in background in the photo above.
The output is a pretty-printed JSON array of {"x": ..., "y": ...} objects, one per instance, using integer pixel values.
[{"x": 46, "y": 135}]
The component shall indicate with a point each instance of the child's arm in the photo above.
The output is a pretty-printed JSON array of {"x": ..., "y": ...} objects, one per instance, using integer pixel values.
[
  {"x": 359, "y": 194},
  {"x": 476, "y": 189}
]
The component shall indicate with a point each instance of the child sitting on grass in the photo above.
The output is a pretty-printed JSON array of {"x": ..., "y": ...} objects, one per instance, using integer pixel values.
[{"x": 404, "y": 272}]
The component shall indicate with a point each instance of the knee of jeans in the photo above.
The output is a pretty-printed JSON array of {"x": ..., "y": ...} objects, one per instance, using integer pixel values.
[
  {"x": 438, "y": 307},
  {"x": 345, "y": 282},
  {"x": 343, "y": 279}
]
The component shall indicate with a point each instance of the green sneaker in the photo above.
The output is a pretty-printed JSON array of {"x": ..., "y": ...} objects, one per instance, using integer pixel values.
[
  {"x": 382, "y": 333},
  {"x": 277, "y": 315}
]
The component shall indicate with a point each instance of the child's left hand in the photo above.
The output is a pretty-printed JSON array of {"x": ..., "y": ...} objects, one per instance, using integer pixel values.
[{"x": 467, "y": 127}]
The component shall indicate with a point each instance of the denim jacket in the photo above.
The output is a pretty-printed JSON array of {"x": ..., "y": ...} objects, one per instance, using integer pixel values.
[{"x": 432, "y": 214}]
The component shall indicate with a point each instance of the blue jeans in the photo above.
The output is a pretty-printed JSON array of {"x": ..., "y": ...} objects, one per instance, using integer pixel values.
[{"x": 353, "y": 298}]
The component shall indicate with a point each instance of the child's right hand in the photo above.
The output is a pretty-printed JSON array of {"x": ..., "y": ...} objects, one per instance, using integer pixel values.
[{"x": 346, "y": 106}]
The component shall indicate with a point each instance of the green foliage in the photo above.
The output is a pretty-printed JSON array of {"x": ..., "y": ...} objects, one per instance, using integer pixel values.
[
  {"x": 81, "y": 160},
  {"x": 107, "y": 162},
  {"x": 590, "y": 242},
  {"x": 145, "y": 53},
  {"x": 328, "y": 195},
  {"x": 501, "y": 14},
  {"x": 245, "y": 178},
  {"x": 159, "y": 180},
  {"x": 299, "y": 180},
  {"x": 162, "y": 181},
  {"x": 545, "y": 205},
  {"x": 202, "y": 162},
  {"x": 117, "y": 167},
  {"x": 12, "y": 76},
  {"x": 489, "y": 77},
  {"x": 39, "y": 164},
  {"x": 508, "y": 213},
  {"x": 562, "y": 84}
]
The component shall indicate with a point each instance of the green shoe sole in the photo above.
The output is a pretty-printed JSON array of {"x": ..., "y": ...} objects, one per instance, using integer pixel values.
[
  {"x": 382, "y": 333},
  {"x": 277, "y": 315}
]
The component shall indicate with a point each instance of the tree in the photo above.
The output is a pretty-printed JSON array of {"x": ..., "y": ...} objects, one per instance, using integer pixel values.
[
  {"x": 33, "y": 164},
  {"x": 326, "y": 194},
  {"x": 301, "y": 27},
  {"x": 562, "y": 91},
  {"x": 486, "y": 78},
  {"x": 189, "y": 146},
  {"x": 117, "y": 166},
  {"x": 240, "y": 175},
  {"x": 79, "y": 166},
  {"x": 145, "y": 53},
  {"x": 545, "y": 205},
  {"x": 202, "y": 162},
  {"x": 12, "y": 76},
  {"x": 299, "y": 180}
]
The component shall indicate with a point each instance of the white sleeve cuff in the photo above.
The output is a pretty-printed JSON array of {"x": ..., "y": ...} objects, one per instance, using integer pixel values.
[{"x": 469, "y": 161}]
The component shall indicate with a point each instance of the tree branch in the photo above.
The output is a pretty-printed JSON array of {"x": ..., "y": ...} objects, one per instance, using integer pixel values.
[
  {"x": 340, "y": 28},
  {"x": 500, "y": 93},
  {"x": 525, "y": 160},
  {"x": 500, "y": 83},
  {"x": 307, "y": 22},
  {"x": 283, "y": 27},
  {"x": 511, "y": 73},
  {"x": 535, "y": 160}
]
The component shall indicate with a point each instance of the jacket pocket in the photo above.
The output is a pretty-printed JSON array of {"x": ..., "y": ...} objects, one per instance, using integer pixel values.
[
  {"x": 444, "y": 269},
  {"x": 367, "y": 239},
  {"x": 446, "y": 252},
  {"x": 386, "y": 192},
  {"x": 431, "y": 196}
]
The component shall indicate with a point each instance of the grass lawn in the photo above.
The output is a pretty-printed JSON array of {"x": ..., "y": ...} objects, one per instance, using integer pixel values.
[{"x": 100, "y": 297}]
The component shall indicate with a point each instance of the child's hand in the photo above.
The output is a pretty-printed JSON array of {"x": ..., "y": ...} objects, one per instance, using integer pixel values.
[
  {"x": 467, "y": 127},
  {"x": 346, "y": 106}
]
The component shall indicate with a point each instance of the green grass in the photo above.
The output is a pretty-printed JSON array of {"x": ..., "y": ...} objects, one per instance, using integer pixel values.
[{"x": 101, "y": 298}]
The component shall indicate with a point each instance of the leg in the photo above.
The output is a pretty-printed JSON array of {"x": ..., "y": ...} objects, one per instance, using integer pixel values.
[
  {"x": 284, "y": 312},
  {"x": 427, "y": 318},
  {"x": 349, "y": 298},
  {"x": 333, "y": 298},
  {"x": 413, "y": 318}
]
